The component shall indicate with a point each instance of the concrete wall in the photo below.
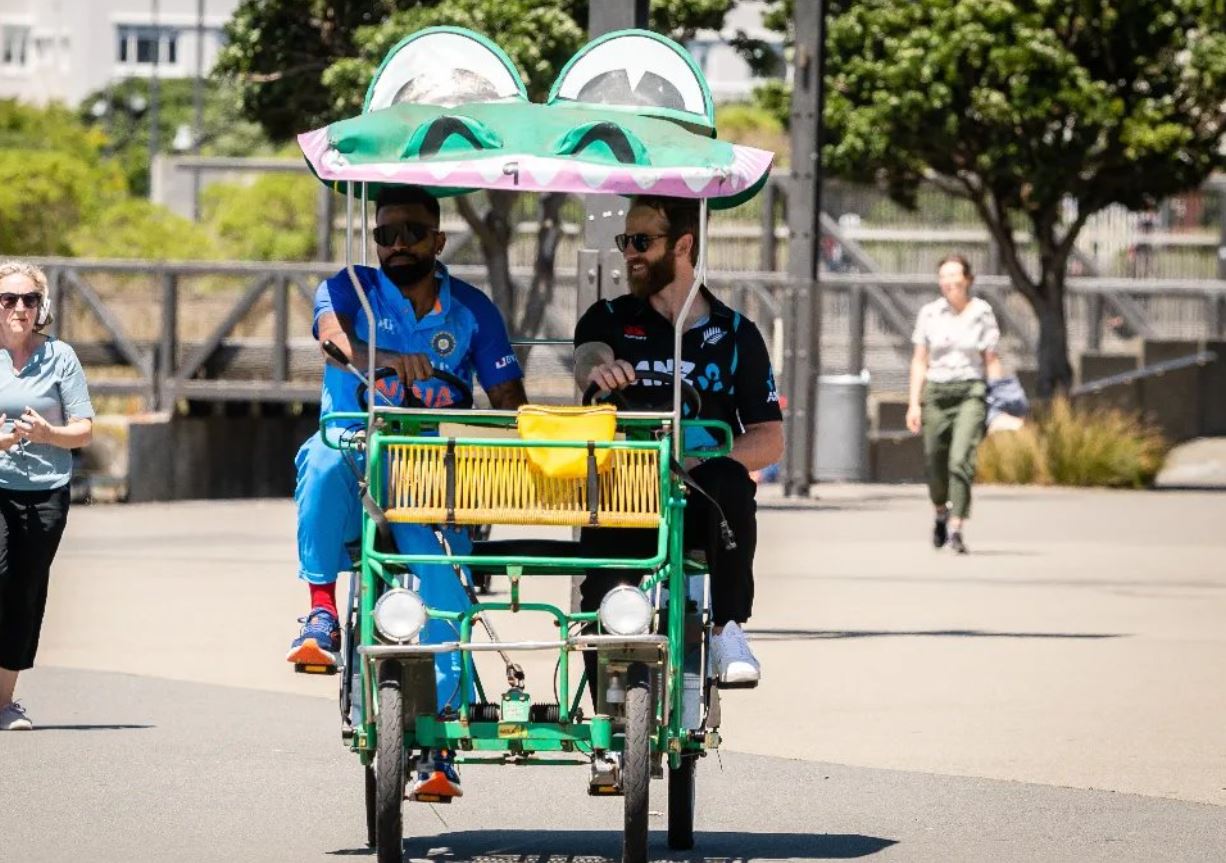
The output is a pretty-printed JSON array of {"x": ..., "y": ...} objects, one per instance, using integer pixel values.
[{"x": 184, "y": 458}]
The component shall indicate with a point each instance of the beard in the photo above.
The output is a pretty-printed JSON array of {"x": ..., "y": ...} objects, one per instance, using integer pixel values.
[
  {"x": 412, "y": 271},
  {"x": 659, "y": 274}
]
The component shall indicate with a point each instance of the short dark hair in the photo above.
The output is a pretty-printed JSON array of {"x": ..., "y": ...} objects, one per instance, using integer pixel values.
[
  {"x": 680, "y": 213},
  {"x": 958, "y": 259},
  {"x": 404, "y": 196}
]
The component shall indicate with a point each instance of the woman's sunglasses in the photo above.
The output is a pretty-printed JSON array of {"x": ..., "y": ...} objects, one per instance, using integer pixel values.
[
  {"x": 408, "y": 233},
  {"x": 31, "y": 300},
  {"x": 641, "y": 242}
]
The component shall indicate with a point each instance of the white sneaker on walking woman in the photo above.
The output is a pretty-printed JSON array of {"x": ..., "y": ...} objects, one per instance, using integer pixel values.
[
  {"x": 13, "y": 718},
  {"x": 732, "y": 662}
]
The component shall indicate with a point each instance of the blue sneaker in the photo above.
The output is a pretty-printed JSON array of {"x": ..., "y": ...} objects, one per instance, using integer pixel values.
[
  {"x": 436, "y": 781},
  {"x": 317, "y": 648}
]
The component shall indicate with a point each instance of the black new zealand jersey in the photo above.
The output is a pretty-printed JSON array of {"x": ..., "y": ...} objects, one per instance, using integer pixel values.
[{"x": 724, "y": 356}]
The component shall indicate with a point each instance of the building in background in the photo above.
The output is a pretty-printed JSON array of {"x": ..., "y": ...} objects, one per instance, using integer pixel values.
[{"x": 63, "y": 50}]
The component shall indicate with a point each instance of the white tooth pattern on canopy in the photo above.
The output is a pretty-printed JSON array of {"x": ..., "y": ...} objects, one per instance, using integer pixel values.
[{"x": 543, "y": 173}]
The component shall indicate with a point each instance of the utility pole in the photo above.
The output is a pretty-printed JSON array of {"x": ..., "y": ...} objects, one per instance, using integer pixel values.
[
  {"x": 198, "y": 107},
  {"x": 153, "y": 93},
  {"x": 802, "y": 351}
]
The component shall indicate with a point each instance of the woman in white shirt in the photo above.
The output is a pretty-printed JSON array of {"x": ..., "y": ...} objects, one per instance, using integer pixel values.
[{"x": 955, "y": 355}]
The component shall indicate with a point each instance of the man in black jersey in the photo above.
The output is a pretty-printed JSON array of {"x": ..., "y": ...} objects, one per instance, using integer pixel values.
[{"x": 724, "y": 357}]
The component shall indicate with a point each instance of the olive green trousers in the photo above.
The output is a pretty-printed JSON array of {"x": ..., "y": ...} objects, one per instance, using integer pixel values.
[{"x": 954, "y": 418}]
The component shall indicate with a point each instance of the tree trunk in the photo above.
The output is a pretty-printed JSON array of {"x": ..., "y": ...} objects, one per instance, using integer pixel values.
[
  {"x": 548, "y": 237},
  {"x": 494, "y": 230},
  {"x": 1055, "y": 373}
]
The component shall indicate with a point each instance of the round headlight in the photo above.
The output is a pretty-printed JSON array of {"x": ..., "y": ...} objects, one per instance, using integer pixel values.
[
  {"x": 626, "y": 610},
  {"x": 400, "y": 614}
]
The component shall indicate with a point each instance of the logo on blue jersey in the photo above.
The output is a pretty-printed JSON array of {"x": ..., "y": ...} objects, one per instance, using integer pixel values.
[
  {"x": 713, "y": 335},
  {"x": 443, "y": 343}
]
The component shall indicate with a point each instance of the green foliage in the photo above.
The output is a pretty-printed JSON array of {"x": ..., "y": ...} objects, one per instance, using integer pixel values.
[
  {"x": 1024, "y": 104},
  {"x": 135, "y": 228},
  {"x": 1073, "y": 446},
  {"x": 277, "y": 50},
  {"x": 753, "y": 126},
  {"x": 775, "y": 98},
  {"x": 52, "y": 179},
  {"x": 301, "y": 64},
  {"x": 24, "y": 127},
  {"x": 44, "y": 196},
  {"x": 272, "y": 219},
  {"x": 681, "y": 19},
  {"x": 119, "y": 117}
]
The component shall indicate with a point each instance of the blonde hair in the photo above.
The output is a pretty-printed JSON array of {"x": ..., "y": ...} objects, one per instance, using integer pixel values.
[{"x": 33, "y": 272}]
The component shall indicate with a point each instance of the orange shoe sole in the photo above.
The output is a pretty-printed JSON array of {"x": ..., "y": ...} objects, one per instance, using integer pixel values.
[
  {"x": 309, "y": 657},
  {"x": 437, "y": 789}
]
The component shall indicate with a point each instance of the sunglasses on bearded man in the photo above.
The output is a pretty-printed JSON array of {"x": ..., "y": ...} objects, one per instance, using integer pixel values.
[
  {"x": 640, "y": 242},
  {"x": 408, "y": 233}
]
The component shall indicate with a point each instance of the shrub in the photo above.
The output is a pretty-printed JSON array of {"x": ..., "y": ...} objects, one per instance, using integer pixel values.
[
  {"x": 1066, "y": 445},
  {"x": 138, "y": 229}
]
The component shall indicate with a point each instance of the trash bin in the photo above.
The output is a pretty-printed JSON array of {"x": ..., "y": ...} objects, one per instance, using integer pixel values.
[{"x": 842, "y": 428}]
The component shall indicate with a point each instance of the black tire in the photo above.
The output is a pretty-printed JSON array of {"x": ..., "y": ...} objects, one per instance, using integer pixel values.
[
  {"x": 389, "y": 766},
  {"x": 636, "y": 763},
  {"x": 370, "y": 805},
  {"x": 681, "y": 805}
]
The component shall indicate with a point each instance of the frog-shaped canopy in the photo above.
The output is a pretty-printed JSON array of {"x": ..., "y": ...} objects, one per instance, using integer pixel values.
[{"x": 629, "y": 114}]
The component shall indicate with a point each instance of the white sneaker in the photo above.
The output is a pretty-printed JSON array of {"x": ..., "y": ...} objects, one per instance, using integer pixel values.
[
  {"x": 732, "y": 662},
  {"x": 13, "y": 718}
]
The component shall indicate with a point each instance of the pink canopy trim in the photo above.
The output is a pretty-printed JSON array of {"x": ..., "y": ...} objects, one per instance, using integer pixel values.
[{"x": 528, "y": 173}]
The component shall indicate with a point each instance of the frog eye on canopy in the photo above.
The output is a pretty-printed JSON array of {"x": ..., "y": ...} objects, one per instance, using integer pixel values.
[
  {"x": 641, "y": 72},
  {"x": 445, "y": 66}
]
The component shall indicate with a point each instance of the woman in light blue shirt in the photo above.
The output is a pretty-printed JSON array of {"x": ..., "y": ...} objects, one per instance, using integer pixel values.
[{"x": 45, "y": 412}]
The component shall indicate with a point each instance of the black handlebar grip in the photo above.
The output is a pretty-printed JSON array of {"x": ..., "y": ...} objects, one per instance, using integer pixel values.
[{"x": 334, "y": 352}]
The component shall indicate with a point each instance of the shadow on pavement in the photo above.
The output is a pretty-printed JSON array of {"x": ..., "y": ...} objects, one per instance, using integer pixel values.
[
  {"x": 604, "y": 846},
  {"x": 814, "y": 634},
  {"x": 89, "y": 727}
]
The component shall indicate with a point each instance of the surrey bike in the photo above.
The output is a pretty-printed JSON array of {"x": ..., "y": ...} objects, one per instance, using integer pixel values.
[{"x": 448, "y": 110}]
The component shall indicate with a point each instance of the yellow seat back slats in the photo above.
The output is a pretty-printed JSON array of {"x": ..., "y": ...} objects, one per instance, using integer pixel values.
[{"x": 501, "y": 485}]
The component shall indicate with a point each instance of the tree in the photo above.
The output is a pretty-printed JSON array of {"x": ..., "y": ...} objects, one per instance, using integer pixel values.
[
  {"x": 539, "y": 37},
  {"x": 120, "y": 114},
  {"x": 136, "y": 228},
  {"x": 271, "y": 219},
  {"x": 53, "y": 178},
  {"x": 1039, "y": 113},
  {"x": 277, "y": 51}
]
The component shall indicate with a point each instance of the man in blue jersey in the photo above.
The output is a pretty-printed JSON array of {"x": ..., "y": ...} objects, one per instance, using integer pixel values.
[{"x": 425, "y": 320}]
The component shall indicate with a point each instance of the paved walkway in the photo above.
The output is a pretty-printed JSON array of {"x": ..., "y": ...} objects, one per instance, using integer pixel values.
[{"x": 930, "y": 707}]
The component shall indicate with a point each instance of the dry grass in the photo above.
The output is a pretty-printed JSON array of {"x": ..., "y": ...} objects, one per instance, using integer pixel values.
[{"x": 1065, "y": 445}]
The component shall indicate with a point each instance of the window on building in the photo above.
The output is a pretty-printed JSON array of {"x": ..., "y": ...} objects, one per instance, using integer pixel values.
[
  {"x": 144, "y": 46},
  {"x": 14, "y": 44}
]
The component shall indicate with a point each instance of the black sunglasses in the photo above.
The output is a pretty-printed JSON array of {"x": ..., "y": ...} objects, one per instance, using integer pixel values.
[
  {"x": 408, "y": 233},
  {"x": 31, "y": 300},
  {"x": 641, "y": 242}
]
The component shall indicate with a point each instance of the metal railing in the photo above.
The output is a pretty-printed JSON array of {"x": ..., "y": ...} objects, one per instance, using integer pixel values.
[{"x": 868, "y": 321}]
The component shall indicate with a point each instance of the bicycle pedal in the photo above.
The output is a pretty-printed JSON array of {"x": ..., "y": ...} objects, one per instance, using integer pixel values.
[{"x": 304, "y": 668}]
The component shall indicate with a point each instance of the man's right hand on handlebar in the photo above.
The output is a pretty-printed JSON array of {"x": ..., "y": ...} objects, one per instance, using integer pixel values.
[
  {"x": 615, "y": 375},
  {"x": 410, "y": 367}
]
